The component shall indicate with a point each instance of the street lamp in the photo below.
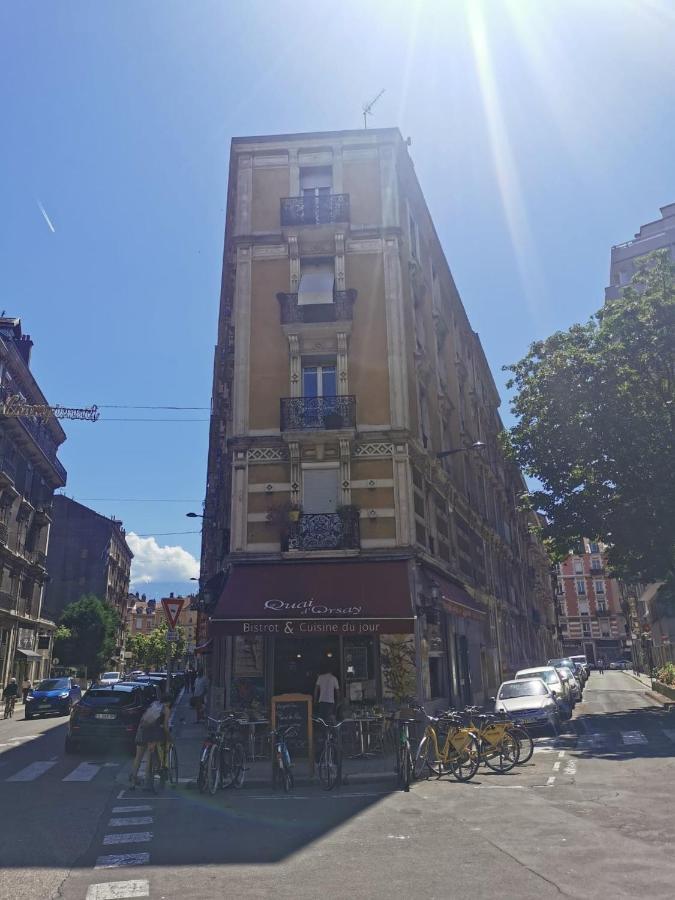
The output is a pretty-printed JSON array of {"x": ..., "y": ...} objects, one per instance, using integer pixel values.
[
  {"x": 192, "y": 515},
  {"x": 477, "y": 445}
]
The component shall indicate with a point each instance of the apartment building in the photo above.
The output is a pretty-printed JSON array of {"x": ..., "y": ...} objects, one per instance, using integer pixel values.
[
  {"x": 591, "y": 615},
  {"x": 334, "y": 532},
  {"x": 30, "y": 471},
  {"x": 146, "y": 614},
  {"x": 88, "y": 554},
  {"x": 626, "y": 257}
]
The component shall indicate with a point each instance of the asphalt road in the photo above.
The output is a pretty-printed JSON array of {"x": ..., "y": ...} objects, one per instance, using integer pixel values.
[{"x": 589, "y": 817}]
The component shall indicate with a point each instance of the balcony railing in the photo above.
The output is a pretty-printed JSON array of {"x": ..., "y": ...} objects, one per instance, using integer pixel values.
[
  {"x": 315, "y": 210},
  {"x": 326, "y": 531},
  {"x": 42, "y": 438},
  {"x": 7, "y": 468},
  {"x": 340, "y": 310},
  {"x": 306, "y": 413},
  {"x": 4, "y": 534},
  {"x": 7, "y": 601}
]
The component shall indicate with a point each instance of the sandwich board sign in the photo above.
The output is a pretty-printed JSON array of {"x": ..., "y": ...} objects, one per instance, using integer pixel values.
[{"x": 172, "y": 607}]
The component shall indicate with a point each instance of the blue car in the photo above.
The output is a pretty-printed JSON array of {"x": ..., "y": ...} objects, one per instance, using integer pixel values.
[{"x": 53, "y": 695}]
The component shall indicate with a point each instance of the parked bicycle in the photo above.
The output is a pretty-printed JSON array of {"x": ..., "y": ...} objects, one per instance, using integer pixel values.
[
  {"x": 161, "y": 766},
  {"x": 498, "y": 748},
  {"x": 517, "y": 731},
  {"x": 9, "y": 707},
  {"x": 457, "y": 753},
  {"x": 330, "y": 761},
  {"x": 282, "y": 767},
  {"x": 404, "y": 760},
  {"x": 222, "y": 762}
]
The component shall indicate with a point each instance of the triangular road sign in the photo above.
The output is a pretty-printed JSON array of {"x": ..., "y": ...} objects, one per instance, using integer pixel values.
[{"x": 172, "y": 607}]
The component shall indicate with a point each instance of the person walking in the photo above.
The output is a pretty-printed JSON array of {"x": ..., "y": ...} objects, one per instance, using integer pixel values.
[
  {"x": 9, "y": 695},
  {"x": 26, "y": 686},
  {"x": 191, "y": 678},
  {"x": 601, "y": 666},
  {"x": 199, "y": 693},
  {"x": 153, "y": 729},
  {"x": 326, "y": 694}
]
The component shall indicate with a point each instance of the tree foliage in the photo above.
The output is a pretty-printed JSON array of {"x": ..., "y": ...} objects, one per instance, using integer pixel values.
[
  {"x": 596, "y": 421},
  {"x": 87, "y": 634},
  {"x": 150, "y": 650}
]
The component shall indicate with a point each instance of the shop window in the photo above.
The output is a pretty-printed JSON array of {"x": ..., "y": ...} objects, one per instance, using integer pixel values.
[
  {"x": 317, "y": 282},
  {"x": 320, "y": 490}
]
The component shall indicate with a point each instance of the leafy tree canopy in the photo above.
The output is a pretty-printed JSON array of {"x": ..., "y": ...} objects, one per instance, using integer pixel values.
[
  {"x": 87, "y": 634},
  {"x": 150, "y": 650},
  {"x": 596, "y": 421}
]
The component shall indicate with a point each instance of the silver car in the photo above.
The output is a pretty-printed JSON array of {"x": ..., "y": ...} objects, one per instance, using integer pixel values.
[
  {"x": 530, "y": 702},
  {"x": 573, "y": 681}
]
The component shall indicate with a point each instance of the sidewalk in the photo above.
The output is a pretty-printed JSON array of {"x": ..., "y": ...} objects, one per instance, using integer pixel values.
[{"x": 651, "y": 693}]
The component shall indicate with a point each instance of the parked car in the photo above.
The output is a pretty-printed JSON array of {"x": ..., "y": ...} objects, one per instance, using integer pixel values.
[
  {"x": 109, "y": 678},
  {"x": 107, "y": 715},
  {"x": 53, "y": 695},
  {"x": 530, "y": 702},
  {"x": 584, "y": 663},
  {"x": 573, "y": 682},
  {"x": 621, "y": 664},
  {"x": 559, "y": 688},
  {"x": 159, "y": 681}
]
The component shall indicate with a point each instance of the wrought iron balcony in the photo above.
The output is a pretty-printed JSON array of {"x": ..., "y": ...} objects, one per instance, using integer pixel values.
[
  {"x": 7, "y": 601},
  {"x": 307, "y": 413},
  {"x": 4, "y": 534},
  {"x": 322, "y": 209},
  {"x": 326, "y": 531},
  {"x": 42, "y": 438},
  {"x": 7, "y": 469},
  {"x": 340, "y": 310}
]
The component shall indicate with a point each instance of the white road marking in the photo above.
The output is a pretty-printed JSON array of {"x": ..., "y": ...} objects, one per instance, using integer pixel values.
[
  {"x": 128, "y": 837},
  {"x": 118, "y": 890},
  {"x": 130, "y": 820},
  {"x": 500, "y": 787},
  {"x": 669, "y": 733},
  {"x": 633, "y": 737},
  {"x": 571, "y": 768},
  {"x": 111, "y": 765},
  {"x": 550, "y": 781},
  {"x": 561, "y": 754},
  {"x": 33, "y": 771},
  {"x": 122, "y": 809},
  {"x": 122, "y": 859},
  {"x": 84, "y": 772},
  {"x": 399, "y": 837},
  {"x": 556, "y": 766}
]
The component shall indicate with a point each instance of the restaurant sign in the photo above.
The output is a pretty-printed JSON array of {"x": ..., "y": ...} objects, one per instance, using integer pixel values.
[{"x": 305, "y": 627}]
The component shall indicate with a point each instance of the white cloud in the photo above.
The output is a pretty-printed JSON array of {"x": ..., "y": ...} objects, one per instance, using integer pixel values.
[{"x": 154, "y": 563}]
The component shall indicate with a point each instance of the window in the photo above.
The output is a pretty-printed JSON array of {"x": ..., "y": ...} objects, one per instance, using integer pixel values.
[
  {"x": 581, "y": 586},
  {"x": 595, "y": 548},
  {"x": 561, "y": 588},
  {"x": 425, "y": 424},
  {"x": 599, "y": 587},
  {"x": 317, "y": 282},
  {"x": 316, "y": 181},
  {"x": 578, "y": 567},
  {"x": 320, "y": 490},
  {"x": 586, "y": 629},
  {"x": 413, "y": 234},
  {"x": 319, "y": 381},
  {"x": 583, "y": 609}
]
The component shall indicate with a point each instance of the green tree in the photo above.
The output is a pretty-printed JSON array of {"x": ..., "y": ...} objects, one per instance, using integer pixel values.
[
  {"x": 596, "y": 420},
  {"x": 87, "y": 634},
  {"x": 150, "y": 650}
]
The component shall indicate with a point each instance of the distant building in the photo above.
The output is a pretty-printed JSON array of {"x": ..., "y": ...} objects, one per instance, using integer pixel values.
[
  {"x": 29, "y": 473},
  {"x": 626, "y": 257},
  {"x": 88, "y": 554},
  {"x": 145, "y": 615},
  {"x": 590, "y": 612}
]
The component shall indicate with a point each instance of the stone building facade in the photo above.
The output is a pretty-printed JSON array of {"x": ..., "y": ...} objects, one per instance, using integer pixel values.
[{"x": 334, "y": 533}]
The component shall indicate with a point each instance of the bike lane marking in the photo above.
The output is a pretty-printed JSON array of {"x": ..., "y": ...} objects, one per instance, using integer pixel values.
[
  {"x": 119, "y": 890},
  {"x": 33, "y": 771},
  {"x": 128, "y": 837},
  {"x": 125, "y": 821},
  {"x": 122, "y": 859}
]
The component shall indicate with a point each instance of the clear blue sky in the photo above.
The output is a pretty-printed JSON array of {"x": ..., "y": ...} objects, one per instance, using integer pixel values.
[{"x": 542, "y": 133}]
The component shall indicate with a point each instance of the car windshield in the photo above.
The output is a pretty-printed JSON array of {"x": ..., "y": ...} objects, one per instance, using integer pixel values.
[
  {"x": 110, "y": 675},
  {"x": 54, "y": 684},
  {"x": 111, "y": 698},
  {"x": 548, "y": 677},
  {"x": 532, "y": 687},
  {"x": 559, "y": 663}
]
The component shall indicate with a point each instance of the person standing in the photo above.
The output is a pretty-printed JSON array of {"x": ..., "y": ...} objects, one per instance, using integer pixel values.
[
  {"x": 601, "y": 666},
  {"x": 26, "y": 685},
  {"x": 153, "y": 729},
  {"x": 201, "y": 687},
  {"x": 326, "y": 694}
]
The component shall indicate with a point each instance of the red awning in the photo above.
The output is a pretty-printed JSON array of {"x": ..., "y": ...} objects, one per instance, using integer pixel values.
[
  {"x": 316, "y": 599},
  {"x": 458, "y": 602}
]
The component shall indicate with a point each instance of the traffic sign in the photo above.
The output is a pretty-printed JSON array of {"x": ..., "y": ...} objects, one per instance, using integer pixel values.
[{"x": 172, "y": 607}]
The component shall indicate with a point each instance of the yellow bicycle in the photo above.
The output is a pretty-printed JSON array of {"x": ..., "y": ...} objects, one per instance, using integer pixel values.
[
  {"x": 499, "y": 749},
  {"x": 458, "y": 752}
]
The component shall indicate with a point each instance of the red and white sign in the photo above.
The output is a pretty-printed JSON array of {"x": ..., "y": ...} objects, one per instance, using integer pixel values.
[{"x": 172, "y": 607}]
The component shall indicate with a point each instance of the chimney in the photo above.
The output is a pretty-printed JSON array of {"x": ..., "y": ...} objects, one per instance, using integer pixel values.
[
  {"x": 24, "y": 345},
  {"x": 171, "y": 596}
]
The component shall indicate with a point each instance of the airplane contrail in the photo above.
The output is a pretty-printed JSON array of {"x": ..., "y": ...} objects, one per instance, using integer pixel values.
[{"x": 47, "y": 219}]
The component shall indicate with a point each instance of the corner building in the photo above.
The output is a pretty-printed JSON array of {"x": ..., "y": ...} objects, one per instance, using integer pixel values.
[{"x": 345, "y": 362}]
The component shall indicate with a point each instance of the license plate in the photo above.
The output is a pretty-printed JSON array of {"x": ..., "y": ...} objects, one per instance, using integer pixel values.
[
  {"x": 105, "y": 716},
  {"x": 44, "y": 706}
]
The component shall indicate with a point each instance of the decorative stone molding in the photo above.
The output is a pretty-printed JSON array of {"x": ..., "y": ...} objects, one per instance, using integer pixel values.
[
  {"x": 294, "y": 254},
  {"x": 340, "y": 262},
  {"x": 373, "y": 245},
  {"x": 345, "y": 472},
  {"x": 244, "y": 193},
  {"x": 295, "y": 365},
  {"x": 294, "y": 451},
  {"x": 342, "y": 373},
  {"x": 267, "y": 454},
  {"x": 270, "y": 251},
  {"x": 375, "y": 450}
]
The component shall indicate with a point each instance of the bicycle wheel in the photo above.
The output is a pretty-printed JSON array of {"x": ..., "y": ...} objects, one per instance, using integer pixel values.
[
  {"x": 424, "y": 759},
  {"x": 503, "y": 757},
  {"x": 405, "y": 767},
  {"x": 464, "y": 762},
  {"x": 286, "y": 776},
  {"x": 525, "y": 743},
  {"x": 173, "y": 765},
  {"x": 226, "y": 767},
  {"x": 213, "y": 770},
  {"x": 239, "y": 765},
  {"x": 152, "y": 772},
  {"x": 328, "y": 767}
]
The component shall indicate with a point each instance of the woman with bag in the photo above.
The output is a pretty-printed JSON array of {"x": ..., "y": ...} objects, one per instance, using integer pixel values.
[{"x": 153, "y": 729}]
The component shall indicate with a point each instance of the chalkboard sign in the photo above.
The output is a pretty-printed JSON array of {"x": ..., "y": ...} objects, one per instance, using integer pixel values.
[{"x": 296, "y": 709}]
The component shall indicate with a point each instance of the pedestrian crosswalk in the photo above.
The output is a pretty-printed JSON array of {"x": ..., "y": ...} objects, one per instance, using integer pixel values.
[
  {"x": 600, "y": 741},
  {"x": 83, "y": 772}
]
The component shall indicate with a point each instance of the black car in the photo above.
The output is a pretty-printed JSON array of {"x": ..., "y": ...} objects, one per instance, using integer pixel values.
[
  {"x": 108, "y": 715},
  {"x": 159, "y": 681}
]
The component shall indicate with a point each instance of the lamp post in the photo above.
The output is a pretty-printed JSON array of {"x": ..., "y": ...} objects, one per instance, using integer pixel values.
[
  {"x": 477, "y": 445},
  {"x": 193, "y": 515}
]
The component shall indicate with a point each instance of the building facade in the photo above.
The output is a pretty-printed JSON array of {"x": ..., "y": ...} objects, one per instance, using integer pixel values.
[
  {"x": 30, "y": 471},
  {"x": 592, "y": 616},
  {"x": 333, "y": 532},
  {"x": 626, "y": 257},
  {"x": 88, "y": 554}
]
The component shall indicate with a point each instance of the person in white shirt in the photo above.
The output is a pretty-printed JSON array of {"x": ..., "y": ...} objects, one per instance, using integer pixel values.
[{"x": 326, "y": 694}]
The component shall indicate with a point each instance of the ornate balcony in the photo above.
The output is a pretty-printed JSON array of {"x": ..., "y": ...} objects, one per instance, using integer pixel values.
[
  {"x": 316, "y": 413},
  {"x": 4, "y": 534},
  {"x": 326, "y": 531},
  {"x": 7, "y": 470},
  {"x": 7, "y": 601},
  {"x": 323, "y": 209},
  {"x": 42, "y": 438},
  {"x": 340, "y": 310}
]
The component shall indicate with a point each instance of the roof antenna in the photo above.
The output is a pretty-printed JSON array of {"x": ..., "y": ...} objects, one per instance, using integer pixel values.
[{"x": 368, "y": 108}]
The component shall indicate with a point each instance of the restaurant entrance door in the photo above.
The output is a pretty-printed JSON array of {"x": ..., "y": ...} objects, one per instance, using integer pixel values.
[{"x": 298, "y": 661}]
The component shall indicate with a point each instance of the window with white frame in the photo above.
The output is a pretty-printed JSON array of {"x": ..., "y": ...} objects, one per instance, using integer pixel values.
[
  {"x": 320, "y": 489},
  {"x": 319, "y": 378},
  {"x": 599, "y": 587},
  {"x": 316, "y": 181},
  {"x": 581, "y": 587},
  {"x": 578, "y": 567},
  {"x": 586, "y": 629},
  {"x": 317, "y": 281}
]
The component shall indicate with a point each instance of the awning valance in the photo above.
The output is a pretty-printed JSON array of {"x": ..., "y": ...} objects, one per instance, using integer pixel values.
[
  {"x": 29, "y": 654},
  {"x": 458, "y": 602},
  {"x": 316, "y": 599}
]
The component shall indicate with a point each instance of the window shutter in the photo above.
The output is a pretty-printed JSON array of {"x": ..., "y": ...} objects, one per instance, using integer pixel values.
[{"x": 320, "y": 490}]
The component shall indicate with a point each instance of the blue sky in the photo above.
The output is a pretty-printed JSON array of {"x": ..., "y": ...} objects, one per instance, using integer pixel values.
[{"x": 542, "y": 133}]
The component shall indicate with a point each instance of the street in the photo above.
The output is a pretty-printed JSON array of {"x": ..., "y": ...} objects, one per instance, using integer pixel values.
[{"x": 589, "y": 816}]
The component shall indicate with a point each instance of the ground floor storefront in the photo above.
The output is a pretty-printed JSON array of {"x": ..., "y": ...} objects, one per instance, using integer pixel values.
[
  {"x": 24, "y": 650},
  {"x": 386, "y": 630},
  {"x": 607, "y": 649}
]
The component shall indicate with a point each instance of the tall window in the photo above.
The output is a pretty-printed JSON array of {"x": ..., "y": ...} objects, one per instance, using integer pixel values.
[
  {"x": 578, "y": 567},
  {"x": 586, "y": 629},
  {"x": 319, "y": 380},
  {"x": 316, "y": 181},
  {"x": 320, "y": 490},
  {"x": 581, "y": 587},
  {"x": 317, "y": 281},
  {"x": 599, "y": 587},
  {"x": 414, "y": 237}
]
